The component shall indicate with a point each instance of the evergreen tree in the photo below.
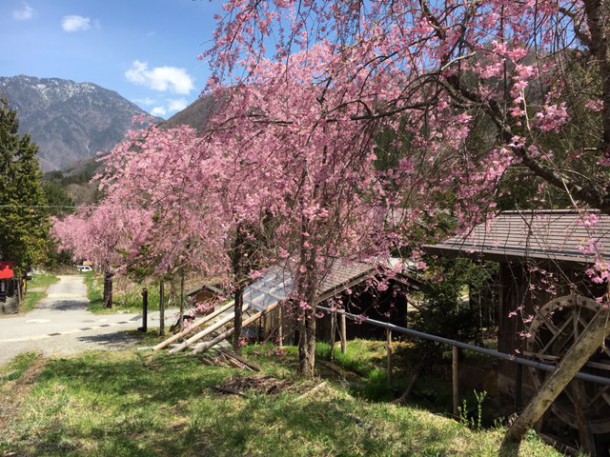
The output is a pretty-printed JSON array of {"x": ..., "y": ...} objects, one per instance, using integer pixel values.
[{"x": 23, "y": 224}]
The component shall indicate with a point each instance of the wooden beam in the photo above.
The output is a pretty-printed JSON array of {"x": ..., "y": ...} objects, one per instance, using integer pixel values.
[
  {"x": 163, "y": 344},
  {"x": 226, "y": 334},
  {"x": 206, "y": 331},
  {"x": 575, "y": 358}
]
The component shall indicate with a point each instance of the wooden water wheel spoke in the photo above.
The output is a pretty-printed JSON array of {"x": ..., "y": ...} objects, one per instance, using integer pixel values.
[
  {"x": 606, "y": 397},
  {"x": 569, "y": 394},
  {"x": 555, "y": 329},
  {"x": 557, "y": 335},
  {"x": 582, "y": 321},
  {"x": 548, "y": 321}
]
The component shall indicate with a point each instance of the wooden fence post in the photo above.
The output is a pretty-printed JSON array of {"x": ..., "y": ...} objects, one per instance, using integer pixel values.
[
  {"x": 389, "y": 356},
  {"x": 455, "y": 372},
  {"x": 144, "y": 327},
  {"x": 281, "y": 327},
  {"x": 343, "y": 326},
  {"x": 161, "y": 308},
  {"x": 333, "y": 333}
]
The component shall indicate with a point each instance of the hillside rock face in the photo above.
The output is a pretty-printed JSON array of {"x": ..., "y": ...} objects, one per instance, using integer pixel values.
[{"x": 68, "y": 121}]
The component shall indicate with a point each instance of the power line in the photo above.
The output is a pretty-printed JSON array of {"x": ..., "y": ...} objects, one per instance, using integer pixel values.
[{"x": 42, "y": 206}]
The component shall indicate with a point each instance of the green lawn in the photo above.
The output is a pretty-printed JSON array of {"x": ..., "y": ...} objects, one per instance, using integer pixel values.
[
  {"x": 154, "y": 404},
  {"x": 127, "y": 301}
]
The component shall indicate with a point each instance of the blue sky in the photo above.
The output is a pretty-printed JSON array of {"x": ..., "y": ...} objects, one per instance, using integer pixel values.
[{"x": 146, "y": 50}]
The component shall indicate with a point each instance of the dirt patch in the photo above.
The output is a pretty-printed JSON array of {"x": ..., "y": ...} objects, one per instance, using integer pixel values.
[{"x": 267, "y": 385}]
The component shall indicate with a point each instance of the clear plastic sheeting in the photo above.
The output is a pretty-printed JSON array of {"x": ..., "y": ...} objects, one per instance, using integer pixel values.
[{"x": 274, "y": 287}]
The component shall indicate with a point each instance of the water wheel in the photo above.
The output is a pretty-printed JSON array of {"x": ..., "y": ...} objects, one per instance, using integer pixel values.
[{"x": 582, "y": 405}]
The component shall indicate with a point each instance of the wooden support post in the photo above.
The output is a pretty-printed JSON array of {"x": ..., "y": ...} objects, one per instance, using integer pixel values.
[
  {"x": 181, "y": 318},
  {"x": 519, "y": 388},
  {"x": 389, "y": 356},
  {"x": 280, "y": 331},
  {"x": 582, "y": 349},
  {"x": 161, "y": 308},
  {"x": 144, "y": 327},
  {"x": 333, "y": 333},
  {"x": 455, "y": 372},
  {"x": 343, "y": 327}
]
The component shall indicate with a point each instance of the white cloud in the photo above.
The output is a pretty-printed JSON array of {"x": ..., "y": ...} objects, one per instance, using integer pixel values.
[
  {"x": 75, "y": 23},
  {"x": 167, "y": 107},
  {"x": 162, "y": 79},
  {"x": 177, "y": 105},
  {"x": 145, "y": 101},
  {"x": 158, "y": 111},
  {"x": 24, "y": 14}
]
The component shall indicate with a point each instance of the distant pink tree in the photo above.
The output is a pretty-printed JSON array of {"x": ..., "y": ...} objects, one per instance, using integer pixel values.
[{"x": 100, "y": 234}]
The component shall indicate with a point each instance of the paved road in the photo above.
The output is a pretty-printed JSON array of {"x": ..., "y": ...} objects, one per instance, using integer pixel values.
[{"x": 61, "y": 325}]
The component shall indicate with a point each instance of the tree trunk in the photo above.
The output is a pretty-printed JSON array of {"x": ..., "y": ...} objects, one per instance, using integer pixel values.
[
  {"x": 108, "y": 276},
  {"x": 237, "y": 260},
  {"x": 307, "y": 344},
  {"x": 308, "y": 291},
  {"x": 237, "y": 321}
]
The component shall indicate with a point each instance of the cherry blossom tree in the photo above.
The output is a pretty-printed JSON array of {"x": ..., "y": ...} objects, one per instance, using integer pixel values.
[
  {"x": 468, "y": 83},
  {"x": 325, "y": 195}
]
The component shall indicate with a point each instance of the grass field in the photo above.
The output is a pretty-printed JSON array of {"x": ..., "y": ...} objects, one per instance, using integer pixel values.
[{"x": 153, "y": 404}]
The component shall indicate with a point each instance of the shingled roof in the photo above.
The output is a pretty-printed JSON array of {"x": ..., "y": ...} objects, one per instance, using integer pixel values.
[{"x": 557, "y": 235}]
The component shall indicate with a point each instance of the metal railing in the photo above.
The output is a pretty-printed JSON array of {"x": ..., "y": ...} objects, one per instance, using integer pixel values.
[{"x": 470, "y": 347}]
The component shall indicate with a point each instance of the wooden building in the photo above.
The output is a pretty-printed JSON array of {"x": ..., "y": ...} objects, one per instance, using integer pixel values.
[
  {"x": 546, "y": 299},
  {"x": 349, "y": 284}
]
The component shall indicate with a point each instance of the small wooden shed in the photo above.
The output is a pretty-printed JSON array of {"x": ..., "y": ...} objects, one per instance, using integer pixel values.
[
  {"x": 546, "y": 296},
  {"x": 350, "y": 283}
]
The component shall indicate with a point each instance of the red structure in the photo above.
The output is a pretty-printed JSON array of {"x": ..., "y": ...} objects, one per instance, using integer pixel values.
[{"x": 6, "y": 270}]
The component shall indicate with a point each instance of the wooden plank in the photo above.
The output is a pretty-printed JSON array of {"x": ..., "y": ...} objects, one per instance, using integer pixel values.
[
  {"x": 206, "y": 331},
  {"x": 226, "y": 334},
  {"x": 163, "y": 344},
  {"x": 455, "y": 380},
  {"x": 315, "y": 389},
  {"x": 241, "y": 359},
  {"x": 575, "y": 358}
]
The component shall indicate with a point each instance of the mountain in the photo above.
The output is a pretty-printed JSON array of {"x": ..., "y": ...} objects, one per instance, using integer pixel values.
[
  {"x": 68, "y": 121},
  {"x": 195, "y": 115}
]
